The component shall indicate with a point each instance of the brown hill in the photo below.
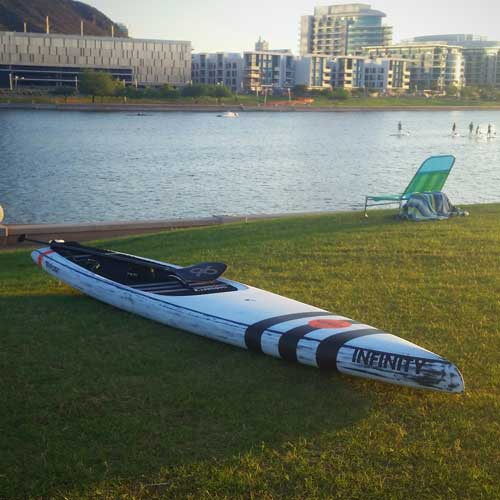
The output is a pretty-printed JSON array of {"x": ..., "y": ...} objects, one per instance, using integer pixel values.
[{"x": 65, "y": 16}]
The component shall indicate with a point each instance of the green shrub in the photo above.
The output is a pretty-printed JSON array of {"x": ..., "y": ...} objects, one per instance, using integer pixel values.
[
  {"x": 169, "y": 92},
  {"x": 300, "y": 90},
  {"x": 340, "y": 94},
  {"x": 194, "y": 90},
  {"x": 97, "y": 83},
  {"x": 63, "y": 91}
]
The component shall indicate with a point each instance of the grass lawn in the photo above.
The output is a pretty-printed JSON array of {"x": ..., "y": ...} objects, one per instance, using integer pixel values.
[
  {"x": 403, "y": 101},
  {"x": 98, "y": 403},
  {"x": 252, "y": 100}
]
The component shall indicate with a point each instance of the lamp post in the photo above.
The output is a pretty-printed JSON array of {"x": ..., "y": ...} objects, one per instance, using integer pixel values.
[
  {"x": 16, "y": 79},
  {"x": 10, "y": 82}
]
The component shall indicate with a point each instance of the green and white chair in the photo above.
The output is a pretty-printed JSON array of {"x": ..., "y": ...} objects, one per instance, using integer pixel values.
[{"x": 430, "y": 177}]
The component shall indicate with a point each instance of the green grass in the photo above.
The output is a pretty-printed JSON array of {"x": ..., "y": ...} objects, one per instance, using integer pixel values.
[
  {"x": 252, "y": 100},
  {"x": 403, "y": 101},
  {"x": 98, "y": 403}
]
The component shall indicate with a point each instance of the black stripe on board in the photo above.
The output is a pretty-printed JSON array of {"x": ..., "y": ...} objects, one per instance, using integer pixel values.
[
  {"x": 326, "y": 354},
  {"x": 289, "y": 340},
  {"x": 254, "y": 332}
]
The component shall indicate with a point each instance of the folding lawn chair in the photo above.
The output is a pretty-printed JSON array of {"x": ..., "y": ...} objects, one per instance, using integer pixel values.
[{"x": 430, "y": 177}]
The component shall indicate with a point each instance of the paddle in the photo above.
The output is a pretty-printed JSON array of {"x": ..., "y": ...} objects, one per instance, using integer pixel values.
[{"x": 205, "y": 271}]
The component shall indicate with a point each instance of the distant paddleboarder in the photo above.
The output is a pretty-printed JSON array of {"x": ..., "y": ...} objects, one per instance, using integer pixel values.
[
  {"x": 477, "y": 130},
  {"x": 489, "y": 130},
  {"x": 471, "y": 127},
  {"x": 454, "y": 128},
  {"x": 400, "y": 127}
]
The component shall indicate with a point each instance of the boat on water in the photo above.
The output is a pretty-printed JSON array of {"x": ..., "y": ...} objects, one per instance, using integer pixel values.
[
  {"x": 197, "y": 299},
  {"x": 229, "y": 114}
]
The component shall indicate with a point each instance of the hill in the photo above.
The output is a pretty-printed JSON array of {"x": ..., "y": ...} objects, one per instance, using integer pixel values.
[{"x": 65, "y": 16}]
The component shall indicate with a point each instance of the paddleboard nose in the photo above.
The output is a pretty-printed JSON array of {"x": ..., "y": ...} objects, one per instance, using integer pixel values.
[
  {"x": 437, "y": 374},
  {"x": 391, "y": 359},
  {"x": 453, "y": 380}
]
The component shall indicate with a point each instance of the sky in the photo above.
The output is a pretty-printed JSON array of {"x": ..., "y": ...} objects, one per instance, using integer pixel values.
[{"x": 232, "y": 26}]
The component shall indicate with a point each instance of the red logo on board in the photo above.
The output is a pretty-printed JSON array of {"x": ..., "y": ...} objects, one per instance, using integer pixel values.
[
  {"x": 329, "y": 323},
  {"x": 41, "y": 255}
]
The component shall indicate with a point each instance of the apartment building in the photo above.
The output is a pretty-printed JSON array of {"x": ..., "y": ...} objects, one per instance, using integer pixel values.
[
  {"x": 338, "y": 30},
  {"x": 384, "y": 75},
  {"x": 257, "y": 70},
  {"x": 273, "y": 70},
  {"x": 347, "y": 72},
  {"x": 461, "y": 39},
  {"x": 313, "y": 72},
  {"x": 433, "y": 65},
  {"x": 220, "y": 68},
  {"x": 388, "y": 76},
  {"x": 481, "y": 56},
  {"x": 482, "y": 65},
  {"x": 53, "y": 59}
]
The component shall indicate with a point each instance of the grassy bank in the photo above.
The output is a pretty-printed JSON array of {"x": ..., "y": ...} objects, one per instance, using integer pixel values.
[
  {"x": 252, "y": 100},
  {"x": 403, "y": 102},
  {"x": 98, "y": 403}
]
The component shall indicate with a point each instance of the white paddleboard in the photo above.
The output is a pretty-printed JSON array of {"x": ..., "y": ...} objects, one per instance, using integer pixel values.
[{"x": 262, "y": 321}]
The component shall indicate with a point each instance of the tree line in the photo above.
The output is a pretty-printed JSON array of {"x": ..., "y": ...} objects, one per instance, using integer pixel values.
[{"x": 102, "y": 84}]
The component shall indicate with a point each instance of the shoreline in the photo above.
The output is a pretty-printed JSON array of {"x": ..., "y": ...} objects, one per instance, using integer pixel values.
[
  {"x": 87, "y": 231},
  {"x": 200, "y": 108},
  {"x": 102, "y": 230}
]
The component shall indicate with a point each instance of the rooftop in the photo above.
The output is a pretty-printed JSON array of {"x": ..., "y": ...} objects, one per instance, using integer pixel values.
[
  {"x": 468, "y": 41},
  {"x": 348, "y": 9},
  {"x": 85, "y": 37}
]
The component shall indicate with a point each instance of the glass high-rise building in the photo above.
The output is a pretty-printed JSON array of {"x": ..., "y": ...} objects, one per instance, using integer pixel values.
[{"x": 338, "y": 30}]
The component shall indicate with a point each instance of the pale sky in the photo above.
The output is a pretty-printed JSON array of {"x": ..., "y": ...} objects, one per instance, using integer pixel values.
[{"x": 227, "y": 25}]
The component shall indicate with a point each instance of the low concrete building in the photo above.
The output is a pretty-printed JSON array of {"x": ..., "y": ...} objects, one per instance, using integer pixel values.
[
  {"x": 220, "y": 68},
  {"x": 29, "y": 59}
]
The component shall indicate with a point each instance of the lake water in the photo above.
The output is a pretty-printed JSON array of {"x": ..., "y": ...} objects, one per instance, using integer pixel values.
[{"x": 88, "y": 167}]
